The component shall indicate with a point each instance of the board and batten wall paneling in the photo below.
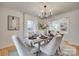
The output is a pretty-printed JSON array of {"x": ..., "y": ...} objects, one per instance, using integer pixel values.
[{"x": 5, "y": 34}]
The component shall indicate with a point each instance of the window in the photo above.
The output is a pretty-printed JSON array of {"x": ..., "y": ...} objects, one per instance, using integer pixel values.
[
  {"x": 31, "y": 26},
  {"x": 56, "y": 25},
  {"x": 61, "y": 25}
]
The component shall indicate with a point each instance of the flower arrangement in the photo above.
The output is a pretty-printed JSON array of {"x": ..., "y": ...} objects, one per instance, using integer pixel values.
[{"x": 42, "y": 26}]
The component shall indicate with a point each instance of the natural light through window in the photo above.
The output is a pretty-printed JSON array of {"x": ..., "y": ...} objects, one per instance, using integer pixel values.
[{"x": 31, "y": 26}]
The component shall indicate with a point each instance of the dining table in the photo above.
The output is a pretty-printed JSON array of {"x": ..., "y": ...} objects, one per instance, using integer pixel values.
[{"x": 36, "y": 42}]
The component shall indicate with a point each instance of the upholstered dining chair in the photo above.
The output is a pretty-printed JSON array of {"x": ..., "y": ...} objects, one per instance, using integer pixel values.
[
  {"x": 52, "y": 46},
  {"x": 23, "y": 50}
]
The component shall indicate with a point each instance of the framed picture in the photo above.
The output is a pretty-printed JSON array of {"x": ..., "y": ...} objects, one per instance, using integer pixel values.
[{"x": 13, "y": 23}]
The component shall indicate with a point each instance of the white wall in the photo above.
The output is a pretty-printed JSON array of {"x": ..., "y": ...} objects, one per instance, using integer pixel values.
[
  {"x": 73, "y": 34},
  {"x": 5, "y": 34}
]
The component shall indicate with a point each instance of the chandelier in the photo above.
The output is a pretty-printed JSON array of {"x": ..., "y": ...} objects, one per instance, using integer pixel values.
[{"x": 45, "y": 13}]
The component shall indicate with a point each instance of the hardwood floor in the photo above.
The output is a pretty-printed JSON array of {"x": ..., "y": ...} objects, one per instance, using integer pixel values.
[
  {"x": 77, "y": 47},
  {"x": 6, "y": 51}
]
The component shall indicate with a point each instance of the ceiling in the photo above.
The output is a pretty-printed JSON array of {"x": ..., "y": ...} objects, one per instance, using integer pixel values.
[{"x": 34, "y": 8}]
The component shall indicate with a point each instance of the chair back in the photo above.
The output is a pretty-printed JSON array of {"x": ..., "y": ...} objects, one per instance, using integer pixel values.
[
  {"x": 52, "y": 46},
  {"x": 21, "y": 48}
]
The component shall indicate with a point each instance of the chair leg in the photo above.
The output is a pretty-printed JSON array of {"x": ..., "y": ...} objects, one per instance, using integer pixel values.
[
  {"x": 36, "y": 53},
  {"x": 59, "y": 49},
  {"x": 56, "y": 53}
]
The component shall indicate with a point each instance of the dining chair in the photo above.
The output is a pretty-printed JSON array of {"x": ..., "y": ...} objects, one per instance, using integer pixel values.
[
  {"x": 52, "y": 46},
  {"x": 23, "y": 50}
]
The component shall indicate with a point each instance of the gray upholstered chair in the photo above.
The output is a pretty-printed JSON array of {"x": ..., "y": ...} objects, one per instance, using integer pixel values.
[
  {"x": 52, "y": 46},
  {"x": 21, "y": 48}
]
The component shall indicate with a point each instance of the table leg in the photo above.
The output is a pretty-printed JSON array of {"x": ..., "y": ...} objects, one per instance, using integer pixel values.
[
  {"x": 38, "y": 46},
  {"x": 38, "y": 52}
]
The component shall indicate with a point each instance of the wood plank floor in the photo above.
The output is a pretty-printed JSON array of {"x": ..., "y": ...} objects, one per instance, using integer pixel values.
[
  {"x": 77, "y": 47},
  {"x": 6, "y": 51}
]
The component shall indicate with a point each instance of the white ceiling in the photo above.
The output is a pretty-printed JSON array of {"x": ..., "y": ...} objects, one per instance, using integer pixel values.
[{"x": 34, "y": 8}]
